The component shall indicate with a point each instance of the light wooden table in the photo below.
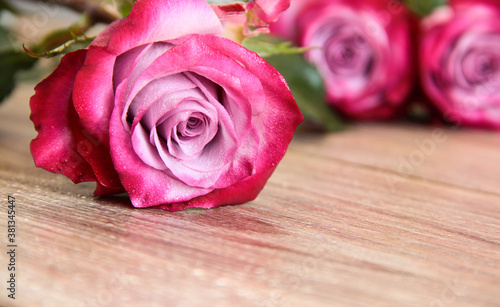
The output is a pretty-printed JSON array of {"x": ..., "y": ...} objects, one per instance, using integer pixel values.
[{"x": 378, "y": 215}]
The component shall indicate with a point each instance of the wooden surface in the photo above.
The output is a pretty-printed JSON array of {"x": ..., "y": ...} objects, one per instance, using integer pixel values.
[{"x": 378, "y": 215}]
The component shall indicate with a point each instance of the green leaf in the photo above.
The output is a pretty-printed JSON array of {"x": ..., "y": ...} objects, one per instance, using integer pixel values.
[
  {"x": 267, "y": 45},
  {"x": 307, "y": 87},
  {"x": 11, "y": 63},
  {"x": 424, "y": 7}
]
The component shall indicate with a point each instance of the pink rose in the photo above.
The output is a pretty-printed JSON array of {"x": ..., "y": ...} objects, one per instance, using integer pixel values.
[
  {"x": 253, "y": 16},
  {"x": 159, "y": 107},
  {"x": 268, "y": 10},
  {"x": 364, "y": 51},
  {"x": 460, "y": 62}
]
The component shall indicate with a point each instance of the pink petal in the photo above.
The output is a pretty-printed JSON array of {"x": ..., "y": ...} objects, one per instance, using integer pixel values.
[
  {"x": 93, "y": 101},
  {"x": 158, "y": 96},
  {"x": 146, "y": 185},
  {"x": 231, "y": 10},
  {"x": 153, "y": 21},
  {"x": 239, "y": 193},
  {"x": 276, "y": 124},
  {"x": 55, "y": 148},
  {"x": 93, "y": 93},
  {"x": 269, "y": 10},
  {"x": 144, "y": 60},
  {"x": 125, "y": 63},
  {"x": 145, "y": 150}
]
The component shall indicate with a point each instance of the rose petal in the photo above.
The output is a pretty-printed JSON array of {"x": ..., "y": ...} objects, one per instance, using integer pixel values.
[
  {"x": 145, "y": 58},
  {"x": 154, "y": 21},
  {"x": 208, "y": 166},
  {"x": 269, "y": 10},
  {"x": 93, "y": 93},
  {"x": 239, "y": 193},
  {"x": 145, "y": 150},
  {"x": 188, "y": 146},
  {"x": 146, "y": 185},
  {"x": 56, "y": 122},
  {"x": 125, "y": 63},
  {"x": 93, "y": 101},
  {"x": 153, "y": 95}
]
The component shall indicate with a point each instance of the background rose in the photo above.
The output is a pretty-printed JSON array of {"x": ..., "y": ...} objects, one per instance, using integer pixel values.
[
  {"x": 173, "y": 116},
  {"x": 364, "y": 55},
  {"x": 244, "y": 19},
  {"x": 268, "y": 10},
  {"x": 460, "y": 61}
]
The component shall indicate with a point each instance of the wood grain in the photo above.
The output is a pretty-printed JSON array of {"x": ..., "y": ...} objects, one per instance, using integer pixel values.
[{"x": 379, "y": 215}]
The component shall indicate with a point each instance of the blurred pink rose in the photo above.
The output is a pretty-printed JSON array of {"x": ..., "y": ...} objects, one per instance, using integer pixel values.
[
  {"x": 160, "y": 108},
  {"x": 253, "y": 16},
  {"x": 364, "y": 53},
  {"x": 268, "y": 10},
  {"x": 460, "y": 62}
]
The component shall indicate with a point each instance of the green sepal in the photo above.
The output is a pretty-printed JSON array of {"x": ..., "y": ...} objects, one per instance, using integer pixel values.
[
  {"x": 424, "y": 7},
  {"x": 76, "y": 43},
  {"x": 267, "y": 45},
  {"x": 308, "y": 89}
]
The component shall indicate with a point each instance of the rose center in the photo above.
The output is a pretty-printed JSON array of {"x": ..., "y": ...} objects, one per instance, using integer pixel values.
[
  {"x": 193, "y": 122},
  {"x": 348, "y": 55},
  {"x": 193, "y": 127},
  {"x": 479, "y": 67},
  {"x": 487, "y": 65}
]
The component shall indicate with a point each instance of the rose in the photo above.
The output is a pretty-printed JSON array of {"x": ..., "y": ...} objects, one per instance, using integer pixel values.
[
  {"x": 268, "y": 10},
  {"x": 364, "y": 52},
  {"x": 158, "y": 108},
  {"x": 460, "y": 62},
  {"x": 265, "y": 10},
  {"x": 249, "y": 18}
]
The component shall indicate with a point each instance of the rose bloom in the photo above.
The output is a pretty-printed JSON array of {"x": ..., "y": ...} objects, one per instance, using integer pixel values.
[
  {"x": 362, "y": 51},
  {"x": 159, "y": 107},
  {"x": 265, "y": 10},
  {"x": 268, "y": 10},
  {"x": 249, "y": 18},
  {"x": 460, "y": 62}
]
